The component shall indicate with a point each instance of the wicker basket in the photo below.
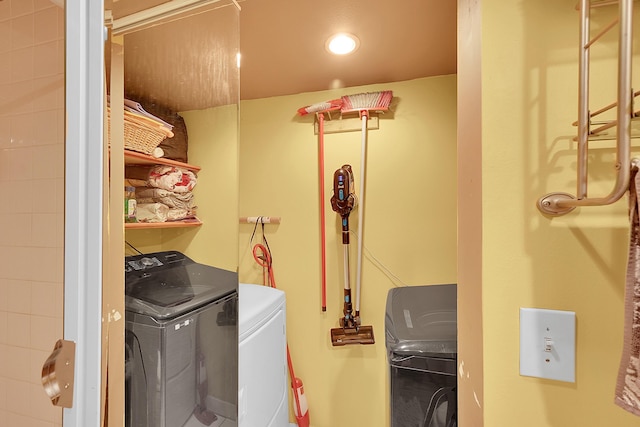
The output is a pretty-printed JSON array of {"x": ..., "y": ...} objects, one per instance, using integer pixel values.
[{"x": 139, "y": 135}]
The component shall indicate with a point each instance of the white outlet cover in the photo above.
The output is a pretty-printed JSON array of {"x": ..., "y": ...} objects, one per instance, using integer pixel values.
[{"x": 548, "y": 344}]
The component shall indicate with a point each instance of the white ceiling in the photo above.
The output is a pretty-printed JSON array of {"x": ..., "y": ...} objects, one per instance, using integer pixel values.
[
  {"x": 282, "y": 43},
  {"x": 282, "y": 48}
]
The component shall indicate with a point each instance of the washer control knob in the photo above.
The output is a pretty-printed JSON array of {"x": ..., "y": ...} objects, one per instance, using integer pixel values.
[{"x": 146, "y": 262}]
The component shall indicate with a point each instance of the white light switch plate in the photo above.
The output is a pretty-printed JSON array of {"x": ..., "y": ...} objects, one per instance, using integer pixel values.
[{"x": 548, "y": 344}]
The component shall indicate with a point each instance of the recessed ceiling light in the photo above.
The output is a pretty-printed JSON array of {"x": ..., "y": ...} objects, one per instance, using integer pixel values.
[{"x": 342, "y": 43}]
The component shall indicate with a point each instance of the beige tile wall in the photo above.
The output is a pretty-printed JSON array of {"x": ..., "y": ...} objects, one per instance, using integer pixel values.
[{"x": 31, "y": 205}]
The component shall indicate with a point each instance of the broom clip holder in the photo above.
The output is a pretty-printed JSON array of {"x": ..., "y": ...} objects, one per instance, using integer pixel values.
[{"x": 347, "y": 124}]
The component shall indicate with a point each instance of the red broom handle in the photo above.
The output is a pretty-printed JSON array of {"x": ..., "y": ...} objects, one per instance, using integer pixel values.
[
  {"x": 265, "y": 261},
  {"x": 293, "y": 381},
  {"x": 322, "y": 215}
]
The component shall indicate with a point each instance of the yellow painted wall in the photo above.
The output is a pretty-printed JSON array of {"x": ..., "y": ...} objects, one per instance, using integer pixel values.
[
  {"x": 213, "y": 145},
  {"x": 410, "y": 229},
  {"x": 576, "y": 262}
]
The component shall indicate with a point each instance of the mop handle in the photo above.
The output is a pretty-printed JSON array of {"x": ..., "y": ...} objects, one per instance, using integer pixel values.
[{"x": 363, "y": 158}]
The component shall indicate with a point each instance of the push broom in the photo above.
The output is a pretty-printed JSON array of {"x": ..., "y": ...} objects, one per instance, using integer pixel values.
[
  {"x": 363, "y": 104},
  {"x": 319, "y": 110}
]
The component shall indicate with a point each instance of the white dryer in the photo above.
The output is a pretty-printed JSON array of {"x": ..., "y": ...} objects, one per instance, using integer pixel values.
[{"x": 263, "y": 399}]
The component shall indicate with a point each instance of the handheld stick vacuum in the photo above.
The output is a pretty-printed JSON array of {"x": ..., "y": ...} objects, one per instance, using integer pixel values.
[{"x": 343, "y": 202}]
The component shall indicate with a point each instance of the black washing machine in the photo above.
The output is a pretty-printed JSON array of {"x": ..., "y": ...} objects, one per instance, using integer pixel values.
[
  {"x": 421, "y": 342},
  {"x": 181, "y": 342}
]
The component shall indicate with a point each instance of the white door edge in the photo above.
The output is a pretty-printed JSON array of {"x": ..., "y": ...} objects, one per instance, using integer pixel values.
[{"x": 84, "y": 37}]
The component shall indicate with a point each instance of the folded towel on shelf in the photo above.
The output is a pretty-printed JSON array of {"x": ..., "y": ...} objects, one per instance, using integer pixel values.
[
  {"x": 169, "y": 178},
  {"x": 169, "y": 198},
  {"x": 172, "y": 179},
  {"x": 627, "y": 393},
  {"x": 152, "y": 212},
  {"x": 177, "y": 214},
  {"x": 158, "y": 212}
]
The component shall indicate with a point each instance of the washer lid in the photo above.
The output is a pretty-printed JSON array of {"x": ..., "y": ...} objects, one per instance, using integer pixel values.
[
  {"x": 257, "y": 304},
  {"x": 166, "y": 284},
  {"x": 422, "y": 321}
]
